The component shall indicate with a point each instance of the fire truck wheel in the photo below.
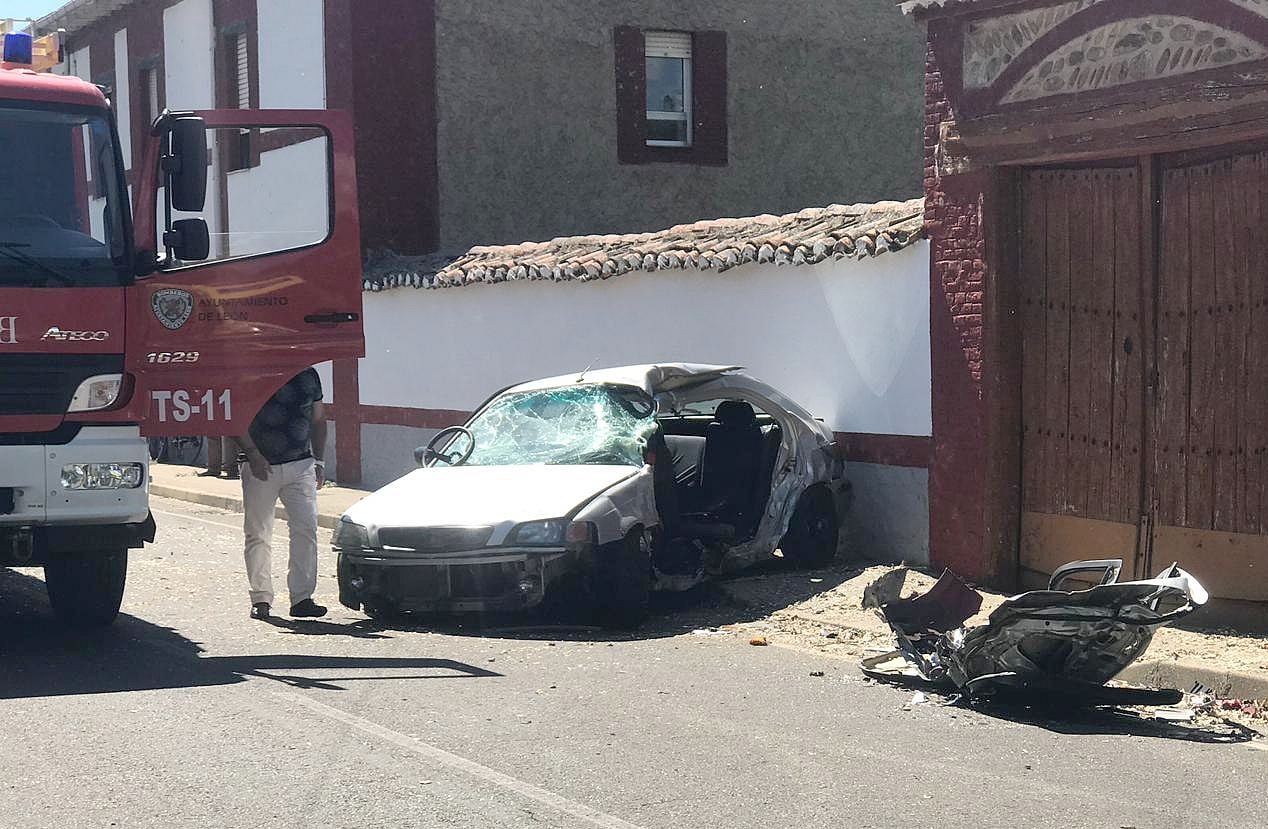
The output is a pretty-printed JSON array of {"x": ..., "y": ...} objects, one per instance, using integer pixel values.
[{"x": 86, "y": 588}]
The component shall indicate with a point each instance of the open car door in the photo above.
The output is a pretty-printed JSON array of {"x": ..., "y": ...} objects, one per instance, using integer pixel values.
[{"x": 255, "y": 284}]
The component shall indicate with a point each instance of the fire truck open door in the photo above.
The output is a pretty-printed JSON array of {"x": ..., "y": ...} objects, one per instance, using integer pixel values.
[{"x": 276, "y": 286}]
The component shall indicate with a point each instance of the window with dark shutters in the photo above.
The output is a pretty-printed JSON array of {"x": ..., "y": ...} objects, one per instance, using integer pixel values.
[
  {"x": 149, "y": 96},
  {"x": 671, "y": 96},
  {"x": 242, "y": 74},
  {"x": 236, "y": 91}
]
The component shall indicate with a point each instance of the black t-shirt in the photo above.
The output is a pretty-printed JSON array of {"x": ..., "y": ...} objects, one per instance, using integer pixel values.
[{"x": 282, "y": 429}]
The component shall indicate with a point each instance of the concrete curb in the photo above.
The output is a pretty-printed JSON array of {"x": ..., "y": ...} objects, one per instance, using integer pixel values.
[
  {"x": 1183, "y": 675},
  {"x": 1152, "y": 672},
  {"x": 227, "y": 502}
]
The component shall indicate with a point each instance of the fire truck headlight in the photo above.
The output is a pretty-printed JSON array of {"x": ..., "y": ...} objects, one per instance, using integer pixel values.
[
  {"x": 97, "y": 393},
  {"x": 80, "y": 476}
]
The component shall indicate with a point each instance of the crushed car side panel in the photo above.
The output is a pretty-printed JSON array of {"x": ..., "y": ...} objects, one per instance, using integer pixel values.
[{"x": 626, "y": 505}]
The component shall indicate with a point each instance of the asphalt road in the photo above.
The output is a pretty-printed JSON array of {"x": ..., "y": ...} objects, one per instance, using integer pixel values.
[{"x": 188, "y": 714}]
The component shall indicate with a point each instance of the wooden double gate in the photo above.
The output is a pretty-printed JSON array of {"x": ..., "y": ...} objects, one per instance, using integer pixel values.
[{"x": 1144, "y": 301}]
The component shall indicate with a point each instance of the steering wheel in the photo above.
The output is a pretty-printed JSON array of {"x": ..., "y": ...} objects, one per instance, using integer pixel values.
[{"x": 430, "y": 453}]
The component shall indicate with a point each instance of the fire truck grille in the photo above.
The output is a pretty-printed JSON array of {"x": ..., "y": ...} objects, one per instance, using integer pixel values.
[{"x": 43, "y": 384}]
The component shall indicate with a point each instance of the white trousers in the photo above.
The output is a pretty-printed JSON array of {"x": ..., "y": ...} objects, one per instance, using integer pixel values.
[{"x": 295, "y": 484}]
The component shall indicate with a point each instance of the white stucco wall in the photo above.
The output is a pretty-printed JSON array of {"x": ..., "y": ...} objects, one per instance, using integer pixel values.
[
  {"x": 849, "y": 340},
  {"x": 292, "y": 54},
  {"x": 282, "y": 203},
  {"x": 123, "y": 95},
  {"x": 189, "y": 72},
  {"x": 189, "y": 68}
]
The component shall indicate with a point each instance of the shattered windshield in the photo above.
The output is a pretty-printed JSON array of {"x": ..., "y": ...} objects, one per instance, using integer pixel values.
[{"x": 587, "y": 425}]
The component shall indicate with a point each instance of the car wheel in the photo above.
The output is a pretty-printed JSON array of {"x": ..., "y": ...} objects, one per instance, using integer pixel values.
[
  {"x": 86, "y": 588},
  {"x": 380, "y": 611},
  {"x": 621, "y": 582},
  {"x": 814, "y": 531}
]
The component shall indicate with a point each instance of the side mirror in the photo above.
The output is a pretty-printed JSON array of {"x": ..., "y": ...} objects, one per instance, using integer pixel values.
[
  {"x": 186, "y": 164},
  {"x": 421, "y": 455},
  {"x": 188, "y": 240}
]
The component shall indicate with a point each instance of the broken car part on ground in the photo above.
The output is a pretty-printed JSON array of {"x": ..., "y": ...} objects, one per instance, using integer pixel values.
[{"x": 1046, "y": 645}]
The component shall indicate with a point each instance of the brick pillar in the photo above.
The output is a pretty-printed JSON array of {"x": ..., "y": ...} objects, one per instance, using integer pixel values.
[
  {"x": 347, "y": 410},
  {"x": 955, "y": 205}
]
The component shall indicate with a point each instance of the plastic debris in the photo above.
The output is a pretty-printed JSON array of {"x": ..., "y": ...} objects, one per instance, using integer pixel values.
[{"x": 758, "y": 640}]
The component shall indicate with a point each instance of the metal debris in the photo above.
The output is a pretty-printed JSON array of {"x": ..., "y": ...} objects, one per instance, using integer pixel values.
[{"x": 1048, "y": 645}]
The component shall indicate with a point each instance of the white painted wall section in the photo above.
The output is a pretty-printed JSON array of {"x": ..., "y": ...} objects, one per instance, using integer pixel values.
[
  {"x": 283, "y": 203},
  {"x": 189, "y": 70},
  {"x": 123, "y": 95},
  {"x": 849, "y": 340},
  {"x": 292, "y": 54},
  {"x": 79, "y": 64},
  {"x": 189, "y": 67},
  {"x": 325, "y": 371}
]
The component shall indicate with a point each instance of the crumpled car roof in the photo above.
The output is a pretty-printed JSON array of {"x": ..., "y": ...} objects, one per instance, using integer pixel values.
[{"x": 653, "y": 378}]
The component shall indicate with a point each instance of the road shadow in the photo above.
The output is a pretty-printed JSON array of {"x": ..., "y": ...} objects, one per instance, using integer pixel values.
[
  {"x": 1124, "y": 721},
  {"x": 364, "y": 629},
  {"x": 709, "y": 605},
  {"x": 1210, "y": 729},
  {"x": 41, "y": 658}
]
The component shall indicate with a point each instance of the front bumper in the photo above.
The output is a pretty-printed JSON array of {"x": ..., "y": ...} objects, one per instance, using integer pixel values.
[
  {"x": 482, "y": 581},
  {"x": 33, "y": 476}
]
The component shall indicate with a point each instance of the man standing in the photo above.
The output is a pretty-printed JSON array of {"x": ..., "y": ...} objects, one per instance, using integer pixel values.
[
  {"x": 222, "y": 456},
  {"x": 284, "y": 449}
]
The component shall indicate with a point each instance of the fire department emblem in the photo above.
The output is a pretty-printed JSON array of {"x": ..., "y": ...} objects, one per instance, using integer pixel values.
[{"x": 172, "y": 306}]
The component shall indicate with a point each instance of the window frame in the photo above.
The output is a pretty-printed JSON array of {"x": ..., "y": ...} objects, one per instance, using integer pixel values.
[
  {"x": 236, "y": 43},
  {"x": 688, "y": 91},
  {"x": 709, "y": 91}
]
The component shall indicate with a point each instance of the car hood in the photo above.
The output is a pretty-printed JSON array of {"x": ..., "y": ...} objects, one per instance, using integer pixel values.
[{"x": 496, "y": 496}]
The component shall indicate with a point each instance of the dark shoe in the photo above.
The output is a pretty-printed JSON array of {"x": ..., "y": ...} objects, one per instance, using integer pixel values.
[
  {"x": 209, "y": 473},
  {"x": 307, "y": 608},
  {"x": 231, "y": 474},
  {"x": 260, "y": 610}
]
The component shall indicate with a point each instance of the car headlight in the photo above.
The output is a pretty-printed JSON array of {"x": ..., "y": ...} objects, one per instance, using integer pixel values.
[
  {"x": 548, "y": 533},
  {"x": 97, "y": 393},
  {"x": 350, "y": 535},
  {"x": 80, "y": 476},
  {"x": 553, "y": 532}
]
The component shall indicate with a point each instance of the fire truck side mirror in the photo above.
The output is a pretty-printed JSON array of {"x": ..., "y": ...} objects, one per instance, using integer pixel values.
[
  {"x": 186, "y": 164},
  {"x": 188, "y": 240}
]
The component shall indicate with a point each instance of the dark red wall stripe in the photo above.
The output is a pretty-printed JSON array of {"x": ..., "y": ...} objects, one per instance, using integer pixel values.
[{"x": 890, "y": 450}]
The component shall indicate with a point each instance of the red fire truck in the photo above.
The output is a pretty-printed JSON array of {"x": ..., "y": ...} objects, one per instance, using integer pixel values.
[{"x": 178, "y": 316}]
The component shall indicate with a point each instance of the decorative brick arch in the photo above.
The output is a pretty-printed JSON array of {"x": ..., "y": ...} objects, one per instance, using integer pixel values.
[{"x": 1133, "y": 43}]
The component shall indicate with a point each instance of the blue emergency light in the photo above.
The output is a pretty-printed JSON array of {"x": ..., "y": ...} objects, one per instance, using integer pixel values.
[{"x": 19, "y": 47}]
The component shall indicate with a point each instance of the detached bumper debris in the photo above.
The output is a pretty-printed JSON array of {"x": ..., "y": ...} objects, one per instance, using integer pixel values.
[{"x": 1051, "y": 645}]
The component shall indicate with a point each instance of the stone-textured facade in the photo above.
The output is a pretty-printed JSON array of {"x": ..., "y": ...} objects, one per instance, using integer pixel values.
[{"x": 823, "y": 107}]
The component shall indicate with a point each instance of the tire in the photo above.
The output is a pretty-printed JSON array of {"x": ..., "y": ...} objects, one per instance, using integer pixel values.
[
  {"x": 380, "y": 611},
  {"x": 86, "y": 588},
  {"x": 184, "y": 451},
  {"x": 814, "y": 531},
  {"x": 621, "y": 582}
]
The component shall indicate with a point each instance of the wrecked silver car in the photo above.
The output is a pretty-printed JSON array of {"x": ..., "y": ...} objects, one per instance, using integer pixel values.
[
  {"x": 598, "y": 488},
  {"x": 1052, "y": 644}
]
